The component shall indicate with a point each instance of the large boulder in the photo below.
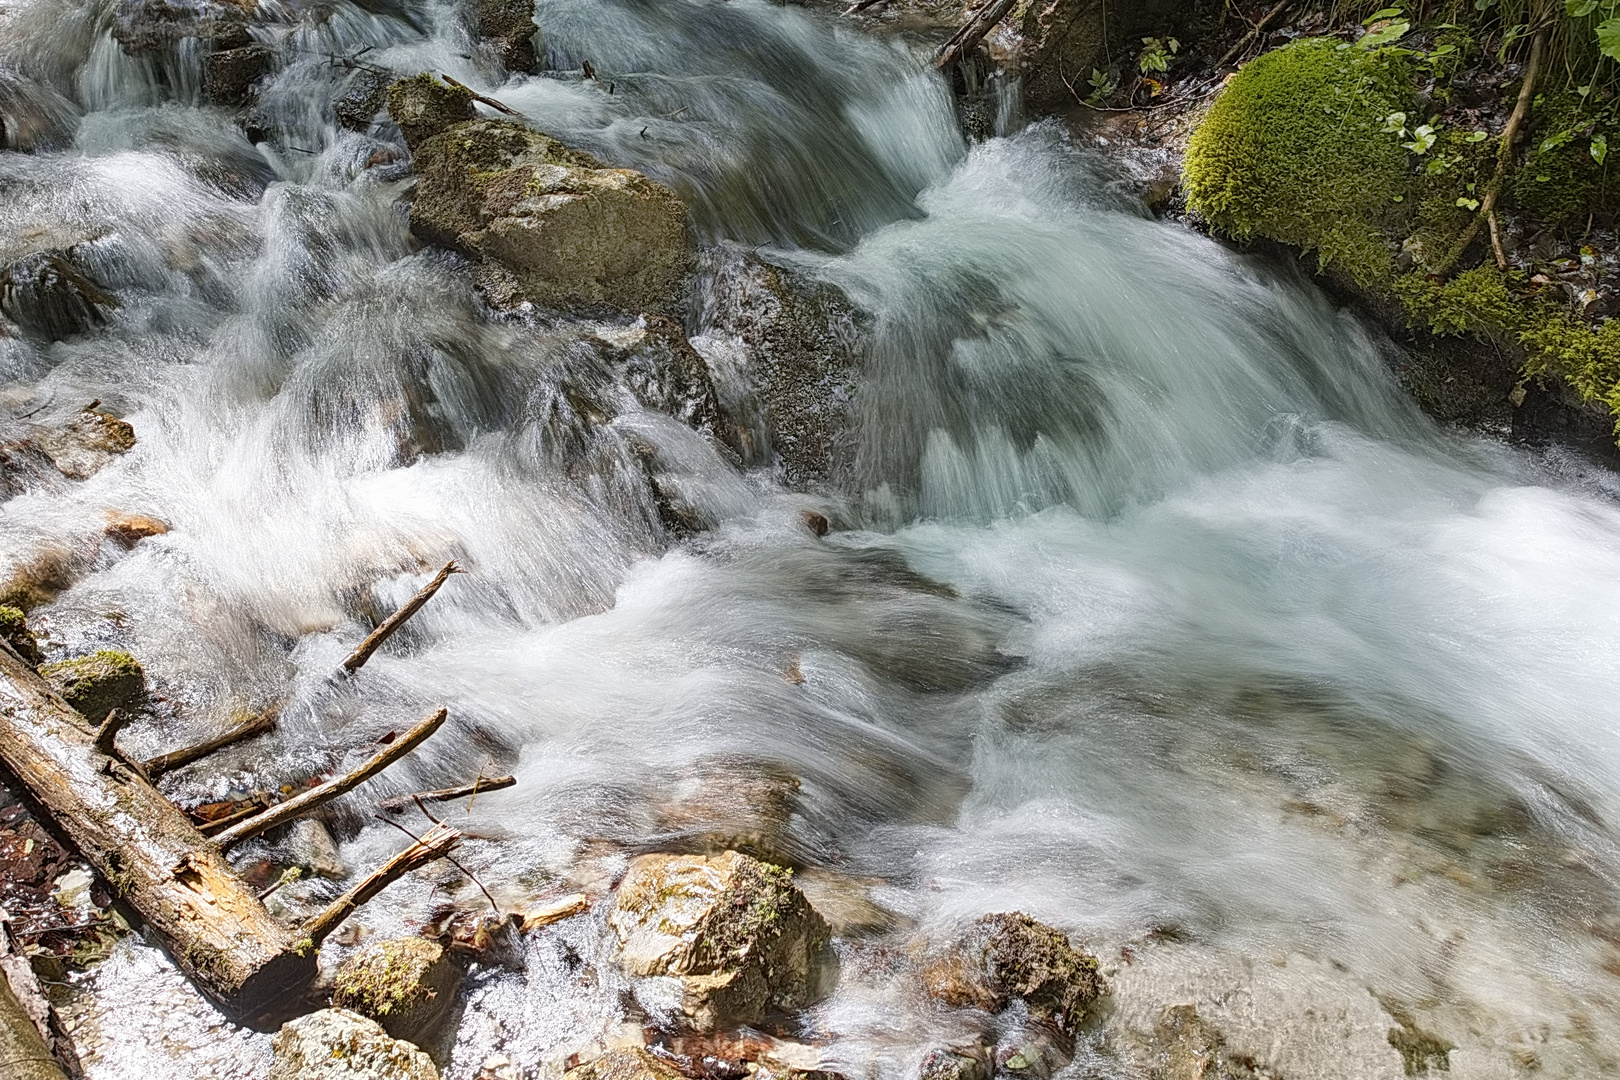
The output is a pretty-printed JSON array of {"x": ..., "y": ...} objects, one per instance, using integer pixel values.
[
  {"x": 659, "y": 366},
  {"x": 99, "y": 683},
  {"x": 405, "y": 984},
  {"x": 335, "y": 1044},
  {"x": 551, "y": 225},
  {"x": 1009, "y": 956},
  {"x": 149, "y": 26},
  {"x": 739, "y": 936},
  {"x": 799, "y": 343},
  {"x": 45, "y": 294},
  {"x": 423, "y": 107}
]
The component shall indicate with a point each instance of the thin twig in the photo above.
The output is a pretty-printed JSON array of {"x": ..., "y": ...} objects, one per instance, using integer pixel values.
[
  {"x": 494, "y": 783},
  {"x": 374, "y": 640},
  {"x": 174, "y": 759},
  {"x": 1254, "y": 32},
  {"x": 435, "y": 845},
  {"x": 448, "y": 858},
  {"x": 299, "y": 805},
  {"x": 476, "y": 96}
]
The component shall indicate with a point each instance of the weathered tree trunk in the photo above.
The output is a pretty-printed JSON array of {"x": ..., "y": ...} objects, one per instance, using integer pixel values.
[
  {"x": 211, "y": 923},
  {"x": 23, "y": 1053}
]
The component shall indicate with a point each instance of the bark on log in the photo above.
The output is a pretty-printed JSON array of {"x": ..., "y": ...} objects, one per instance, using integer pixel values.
[
  {"x": 23, "y": 1054},
  {"x": 299, "y": 805},
  {"x": 434, "y": 844},
  {"x": 972, "y": 32},
  {"x": 205, "y": 916}
]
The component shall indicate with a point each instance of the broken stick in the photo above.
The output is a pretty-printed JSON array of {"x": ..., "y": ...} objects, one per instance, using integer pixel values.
[
  {"x": 299, "y": 805},
  {"x": 265, "y": 721},
  {"x": 193, "y": 903},
  {"x": 398, "y": 619},
  {"x": 434, "y": 844},
  {"x": 465, "y": 791},
  {"x": 491, "y": 102}
]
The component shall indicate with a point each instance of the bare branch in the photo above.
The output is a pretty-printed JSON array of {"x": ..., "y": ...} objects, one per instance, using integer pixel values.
[{"x": 357, "y": 659}]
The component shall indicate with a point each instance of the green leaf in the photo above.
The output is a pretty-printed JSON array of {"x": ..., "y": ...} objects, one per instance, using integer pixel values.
[
  {"x": 1395, "y": 124},
  {"x": 1422, "y": 139},
  {"x": 1387, "y": 13},
  {"x": 1468, "y": 204},
  {"x": 1599, "y": 148},
  {"x": 1555, "y": 140},
  {"x": 1608, "y": 37},
  {"x": 1484, "y": 5},
  {"x": 1389, "y": 34},
  {"x": 1444, "y": 50},
  {"x": 1478, "y": 136},
  {"x": 1579, "y": 9}
]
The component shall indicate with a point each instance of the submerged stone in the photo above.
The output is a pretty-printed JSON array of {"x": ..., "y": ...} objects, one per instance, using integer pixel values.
[
  {"x": 229, "y": 74},
  {"x": 737, "y": 933},
  {"x": 87, "y": 443},
  {"x": 336, "y": 1044},
  {"x": 99, "y": 683},
  {"x": 1009, "y": 956},
  {"x": 552, "y": 225},
  {"x": 14, "y": 631},
  {"x": 45, "y": 294},
  {"x": 405, "y": 984},
  {"x": 631, "y": 1063}
]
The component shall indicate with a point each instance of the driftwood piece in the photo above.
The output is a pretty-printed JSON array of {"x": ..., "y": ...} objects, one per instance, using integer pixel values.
[
  {"x": 23, "y": 1005},
  {"x": 23, "y": 1053},
  {"x": 299, "y": 805},
  {"x": 174, "y": 759},
  {"x": 491, "y": 102},
  {"x": 107, "y": 734},
  {"x": 195, "y": 905},
  {"x": 398, "y": 619},
  {"x": 972, "y": 32},
  {"x": 1254, "y": 32},
  {"x": 434, "y": 844},
  {"x": 401, "y": 803}
]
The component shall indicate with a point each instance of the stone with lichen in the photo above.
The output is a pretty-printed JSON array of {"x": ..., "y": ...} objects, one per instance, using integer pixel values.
[
  {"x": 423, "y": 106},
  {"x": 96, "y": 684},
  {"x": 14, "y": 631},
  {"x": 1009, "y": 956},
  {"x": 405, "y": 984},
  {"x": 737, "y": 933},
  {"x": 631, "y": 1063},
  {"x": 336, "y": 1044}
]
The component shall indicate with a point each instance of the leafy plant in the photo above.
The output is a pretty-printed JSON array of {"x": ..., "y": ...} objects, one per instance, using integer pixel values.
[
  {"x": 1385, "y": 27},
  {"x": 1157, "y": 54}
]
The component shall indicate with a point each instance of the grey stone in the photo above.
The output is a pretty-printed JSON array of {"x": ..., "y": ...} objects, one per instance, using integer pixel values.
[{"x": 336, "y": 1044}]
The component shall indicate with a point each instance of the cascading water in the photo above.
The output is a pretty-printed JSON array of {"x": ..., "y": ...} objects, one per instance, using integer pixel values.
[{"x": 1158, "y": 613}]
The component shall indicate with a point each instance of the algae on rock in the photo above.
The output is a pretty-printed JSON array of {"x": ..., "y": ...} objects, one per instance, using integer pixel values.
[
  {"x": 405, "y": 984},
  {"x": 99, "y": 683},
  {"x": 14, "y": 631}
]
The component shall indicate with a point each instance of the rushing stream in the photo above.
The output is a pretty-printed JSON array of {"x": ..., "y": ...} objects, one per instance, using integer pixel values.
[{"x": 1153, "y": 607}]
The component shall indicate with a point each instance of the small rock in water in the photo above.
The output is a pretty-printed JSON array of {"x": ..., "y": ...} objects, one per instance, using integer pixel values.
[
  {"x": 46, "y": 295},
  {"x": 1009, "y": 957},
  {"x": 737, "y": 933},
  {"x": 336, "y": 1044},
  {"x": 507, "y": 26},
  {"x": 39, "y": 579},
  {"x": 363, "y": 96},
  {"x": 423, "y": 107},
  {"x": 816, "y": 523},
  {"x": 958, "y": 1063},
  {"x": 728, "y": 802},
  {"x": 312, "y": 848},
  {"x": 88, "y": 442},
  {"x": 127, "y": 530},
  {"x": 229, "y": 74},
  {"x": 626, "y": 1064},
  {"x": 405, "y": 984},
  {"x": 99, "y": 683},
  {"x": 14, "y": 631}
]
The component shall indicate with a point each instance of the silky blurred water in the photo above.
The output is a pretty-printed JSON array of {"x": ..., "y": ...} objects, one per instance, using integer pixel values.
[{"x": 1155, "y": 609}]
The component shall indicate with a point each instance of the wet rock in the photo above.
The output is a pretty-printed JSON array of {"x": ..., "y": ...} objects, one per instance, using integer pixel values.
[
  {"x": 1033, "y": 1050},
  {"x": 737, "y": 933},
  {"x": 147, "y": 26},
  {"x": 507, "y": 27},
  {"x": 746, "y": 1053},
  {"x": 41, "y": 577},
  {"x": 48, "y": 296},
  {"x": 958, "y": 1063},
  {"x": 127, "y": 530},
  {"x": 14, "y": 631},
  {"x": 406, "y": 984},
  {"x": 336, "y": 1044},
  {"x": 87, "y": 443},
  {"x": 846, "y": 902},
  {"x": 23, "y": 466},
  {"x": 96, "y": 684},
  {"x": 423, "y": 107},
  {"x": 1191, "y": 1048},
  {"x": 552, "y": 225},
  {"x": 732, "y": 803},
  {"x": 799, "y": 342},
  {"x": 630, "y": 1063},
  {"x": 816, "y": 523},
  {"x": 229, "y": 74},
  {"x": 664, "y": 372},
  {"x": 1009, "y": 956},
  {"x": 311, "y": 847},
  {"x": 364, "y": 94}
]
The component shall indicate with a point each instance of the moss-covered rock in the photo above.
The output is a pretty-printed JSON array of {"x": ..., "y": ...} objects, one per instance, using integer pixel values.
[
  {"x": 738, "y": 934},
  {"x": 336, "y": 1044},
  {"x": 423, "y": 106},
  {"x": 631, "y": 1063},
  {"x": 14, "y": 631},
  {"x": 507, "y": 28},
  {"x": 99, "y": 683},
  {"x": 1007, "y": 956},
  {"x": 405, "y": 984},
  {"x": 1294, "y": 150}
]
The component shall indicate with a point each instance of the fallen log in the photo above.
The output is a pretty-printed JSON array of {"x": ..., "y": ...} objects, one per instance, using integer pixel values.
[
  {"x": 966, "y": 39},
  {"x": 434, "y": 844},
  {"x": 174, "y": 759},
  {"x": 401, "y": 803},
  {"x": 363, "y": 651},
  {"x": 153, "y": 858},
  {"x": 299, "y": 805},
  {"x": 23, "y": 1053}
]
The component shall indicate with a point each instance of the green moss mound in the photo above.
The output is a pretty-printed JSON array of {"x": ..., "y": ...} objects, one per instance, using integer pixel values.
[
  {"x": 1560, "y": 183},
  {"x": 14, "y": 631},
  {"x": 405, "y": 984},
  {"x": 1294, "y": 150},
  {"x": 99, "y": 683}
]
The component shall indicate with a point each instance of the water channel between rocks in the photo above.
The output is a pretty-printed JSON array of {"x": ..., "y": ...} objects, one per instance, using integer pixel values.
[{"x": 1152, "y": 607}]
